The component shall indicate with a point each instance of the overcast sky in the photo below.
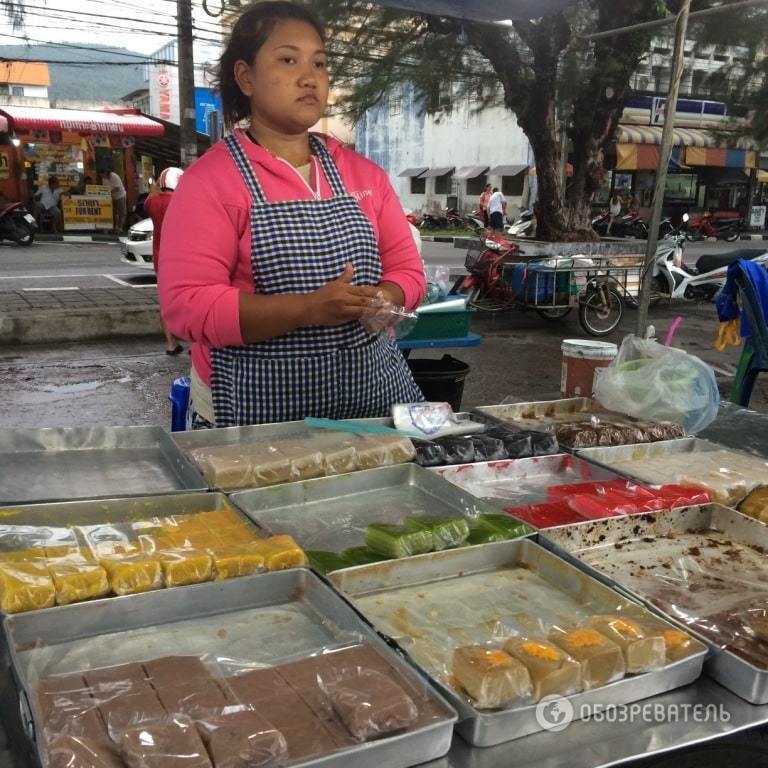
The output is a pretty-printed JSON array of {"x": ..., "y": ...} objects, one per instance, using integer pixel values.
[{"x": 139, "y": 25}]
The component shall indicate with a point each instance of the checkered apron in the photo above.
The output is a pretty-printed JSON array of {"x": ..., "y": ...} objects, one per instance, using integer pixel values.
[{"x": 335, "y": 372}]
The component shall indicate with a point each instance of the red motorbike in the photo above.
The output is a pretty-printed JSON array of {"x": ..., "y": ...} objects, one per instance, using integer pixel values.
[
  {"x": 724, "y": 225},
  {"x": 485, "y": 282}
]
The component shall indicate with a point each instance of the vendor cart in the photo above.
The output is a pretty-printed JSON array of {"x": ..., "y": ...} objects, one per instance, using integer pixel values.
[{"x": 502, "y": 277}]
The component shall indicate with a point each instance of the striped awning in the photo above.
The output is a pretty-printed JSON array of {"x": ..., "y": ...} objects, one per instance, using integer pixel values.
[{"x": 681, "y": 137}]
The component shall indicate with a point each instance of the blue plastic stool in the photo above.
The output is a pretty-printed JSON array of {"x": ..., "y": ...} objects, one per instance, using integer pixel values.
[{"x": 179, "y": 397}]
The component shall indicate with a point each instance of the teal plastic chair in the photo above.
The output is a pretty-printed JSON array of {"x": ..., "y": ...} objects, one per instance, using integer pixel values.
[{"x": 754, "y": 356}]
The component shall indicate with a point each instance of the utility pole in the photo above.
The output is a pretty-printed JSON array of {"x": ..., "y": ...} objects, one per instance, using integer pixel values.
[
  {"x": 188, "y": 132},
  {"x": 665, "y": 152}
]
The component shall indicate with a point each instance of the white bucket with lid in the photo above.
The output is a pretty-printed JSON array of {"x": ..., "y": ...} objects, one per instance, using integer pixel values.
[{"x": 582, "y": 359}]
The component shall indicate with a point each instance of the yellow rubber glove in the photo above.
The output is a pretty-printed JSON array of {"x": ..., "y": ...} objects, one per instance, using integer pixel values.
[{"x": 728, "y": 335}]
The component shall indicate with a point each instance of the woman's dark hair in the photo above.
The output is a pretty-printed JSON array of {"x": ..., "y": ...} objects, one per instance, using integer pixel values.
[{"x": 248, "y": 35}]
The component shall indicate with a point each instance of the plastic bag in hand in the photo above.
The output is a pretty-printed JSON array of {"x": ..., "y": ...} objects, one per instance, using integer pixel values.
[
  {"x": 382, "y": 314},
  {"x": 650, "y": 381}
]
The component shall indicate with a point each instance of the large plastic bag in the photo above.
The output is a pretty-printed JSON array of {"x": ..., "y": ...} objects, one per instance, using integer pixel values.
[{"x": 650, "y": 381}]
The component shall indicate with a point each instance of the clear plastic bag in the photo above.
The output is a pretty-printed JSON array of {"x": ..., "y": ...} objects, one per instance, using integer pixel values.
[
  {"x": 438, "y": 282},
  {"x": 382, "y": 315},
  {"x": 650, "y": 381}
]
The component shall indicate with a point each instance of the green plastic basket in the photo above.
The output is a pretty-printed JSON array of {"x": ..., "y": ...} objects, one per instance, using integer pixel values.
[{"x": 441, "y": 325}]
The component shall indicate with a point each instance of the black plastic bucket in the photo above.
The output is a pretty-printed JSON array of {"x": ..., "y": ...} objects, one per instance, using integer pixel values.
[{"x": 442, "y": 380}]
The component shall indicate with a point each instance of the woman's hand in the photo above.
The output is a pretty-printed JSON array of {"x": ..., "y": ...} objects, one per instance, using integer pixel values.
[{"x": 338, "y": 301}]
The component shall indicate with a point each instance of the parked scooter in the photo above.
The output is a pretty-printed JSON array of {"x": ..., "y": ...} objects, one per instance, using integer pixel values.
[
  {"x": 674, "y": 279},
  {"x": 433, "y": 221},
  {"x": 522, "y": 226},
  {"x": 630, "y": 224},
  {"x": 709, "y": 225},
  {"x": 17, "y": 224}
]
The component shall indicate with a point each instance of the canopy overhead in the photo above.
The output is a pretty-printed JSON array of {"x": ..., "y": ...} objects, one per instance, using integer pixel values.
[
  {"x": 508, "y": 170},
  {"x": 681, "y": 137},
  {"x": 411, "y": 173},
  {"x": 21, "y": 119},
  {"x": 433, "y": 172},
  {"x": 470, "y": 171},
  {"x": 480, "y": 10}
]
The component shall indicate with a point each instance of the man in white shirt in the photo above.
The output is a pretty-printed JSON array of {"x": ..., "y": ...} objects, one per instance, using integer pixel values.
[
  {"x": 47, "y": 200},
  {"x": 497, "y": 207},
  {"x": 119, "y": 199}
]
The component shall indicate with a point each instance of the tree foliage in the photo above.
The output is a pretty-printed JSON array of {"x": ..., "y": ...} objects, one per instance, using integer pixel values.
[{"x": 546, "y": 71}]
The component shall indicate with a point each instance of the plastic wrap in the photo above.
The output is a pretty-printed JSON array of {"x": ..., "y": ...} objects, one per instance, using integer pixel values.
[
  {"x": 446, "y": 532},
  {"x": 649, "y": 380},
  {"x": 242, "y": 739},
  {"x": 369, "y": 703},
  {"x": 382, "y": 315},
  {"x": 174, "y": 741},
  {"x": 84, "y": 562},
  {"x": 316, "y": 454},
  {"x": 78, "y": 752},
  {"x": 642, "y": 652},
  {"x": 397, "y": 540},
  {"x": 755, "y": 504},
  {"x": 726, "y": 475},
  {"x": 506, "y": 638},
  {"x": 579, "y": 435}
]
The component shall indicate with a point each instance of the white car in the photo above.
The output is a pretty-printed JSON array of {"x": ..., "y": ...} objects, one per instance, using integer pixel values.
[{"x": 136, "y": 249}]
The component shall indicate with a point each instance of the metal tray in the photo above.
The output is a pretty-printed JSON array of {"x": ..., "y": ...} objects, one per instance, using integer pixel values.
[
  {"x": 331, "y": 513},
  {"x": 522, "y": 481},
  {"x": 638, "y": 454},
  {"x": 451, "y": 574},
  {"x": 627, "y": 551},
  {"x": 544, "y": 413},
  {"x": 266, "y": 618},
  {"x": 91, "y": 462}
]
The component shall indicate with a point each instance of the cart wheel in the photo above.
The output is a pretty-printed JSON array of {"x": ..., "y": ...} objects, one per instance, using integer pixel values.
[
  {"x": 556, "y": 313},
  {"x": 601, "y": 310}
]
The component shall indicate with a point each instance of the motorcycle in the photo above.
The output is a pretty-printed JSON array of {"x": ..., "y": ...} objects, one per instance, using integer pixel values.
[
  {"x": 484, "y": 282},
  {"x": 674, "y": 279},
  {"x": 630, "y": 224},
  {"x": 725, "y": 227},
  {"x": 433, "y": 221},
  {"x": 17, "y": 224},
  {"x": 522, "y": 226}
]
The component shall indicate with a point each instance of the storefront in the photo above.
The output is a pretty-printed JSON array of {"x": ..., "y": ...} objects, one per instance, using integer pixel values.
[
  {"x": 77, "y": 147},
  {"x": 702, "y": 172}
]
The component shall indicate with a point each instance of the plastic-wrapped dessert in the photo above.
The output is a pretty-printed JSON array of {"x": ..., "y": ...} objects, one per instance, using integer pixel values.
[
  {"x": 601, "y": 659},
  {"x": 383, "y": 450},
  {"x": 306, "y": 460},
  {"x": 491, "y": 677},
  {"x": 429, "y": 454},
  {"x": 242, "y": 739},
  {"x": 488, "y": 448},
  {"x": 225, "y": 466},
  {"x": 130, "y": 710},
  {"x": 397, "y": 540},
  {"x": 80, "y": 752},
  {"x": 755, "y": 504},
  {"x": 186, "y": 566},
  {"x": 369, "y": 703},
  {"x": 25, "y": 586},
  {"x": 446, "y": 532},
  {"x": 132, "y": 574},
  {"x": 170, "y": 743},
  {"x": 231, "y": 562},
  {"x": 76, "y": 579},
  {"x": 643, "y": 652},
  {"x": 169, "y": 670},
  {"x": 195, "y": 698},
  {"x": 678, "y": 645},
  {"x": 280, "y": 552},
  {"x": 552, "y": 670}
]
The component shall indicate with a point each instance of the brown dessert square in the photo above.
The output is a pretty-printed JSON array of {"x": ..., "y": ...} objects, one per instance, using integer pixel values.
[
  {"x": 241, "y": 740},
  {"x": 130, "y": 710},
  {"x": 197, "y": 700},
  {"x": 172, "y": 670},
  {"x": 174, "y": 743},
  {"x": 73, "y": 752}
]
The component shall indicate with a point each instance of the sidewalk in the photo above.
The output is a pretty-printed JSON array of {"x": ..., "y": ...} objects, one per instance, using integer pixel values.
[
  {"x": 43, "y": 316},
  {"x": 49, "y": 237}
]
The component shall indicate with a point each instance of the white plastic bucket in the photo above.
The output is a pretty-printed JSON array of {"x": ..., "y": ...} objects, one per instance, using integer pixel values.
[{"x": 582, "y": 359}]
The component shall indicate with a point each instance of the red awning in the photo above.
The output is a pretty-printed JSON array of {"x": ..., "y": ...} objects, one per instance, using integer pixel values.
[{"x": 79, "y": 121}]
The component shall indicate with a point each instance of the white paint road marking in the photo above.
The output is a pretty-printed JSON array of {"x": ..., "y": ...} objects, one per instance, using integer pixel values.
[
  {"x": 48, "y": 290},
  {"x": 118, "y": 281}
]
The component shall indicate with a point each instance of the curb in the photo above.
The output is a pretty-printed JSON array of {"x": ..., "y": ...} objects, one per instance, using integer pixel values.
[
  {"x": 48, "y": 238},
  {"x": 753, "y": 237}
]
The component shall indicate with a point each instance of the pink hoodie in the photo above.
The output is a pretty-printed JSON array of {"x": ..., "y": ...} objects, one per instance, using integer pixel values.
[{"x": 206, "y": 239}]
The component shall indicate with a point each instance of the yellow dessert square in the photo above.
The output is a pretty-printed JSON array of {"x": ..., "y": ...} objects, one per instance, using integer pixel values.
[
  {"x": 76, "y": 581},
  {"x": 133, "y": 574},
  {"x": 152, "y": 545},
  {"x": 280, "y": 552},
  {"x": 23, "y": 555},
  {"x": 53, "y": 553},
  {"x": 217, "y": 519},
  {"x": 25, "y": 586},
  {"x": 186, "y": 566},
  {"x": 232, "y": 562}
]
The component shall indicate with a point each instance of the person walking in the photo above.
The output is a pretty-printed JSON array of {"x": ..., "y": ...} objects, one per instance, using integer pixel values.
[
  {"x": 278, "y": 242},
  {"x": 156, "y": 206},
  {"x": 119, "y": 198},
  {"x": 497, "y": 207},
  {"x": 485, "y": 197},
  {"x": 614, "y": 209}
]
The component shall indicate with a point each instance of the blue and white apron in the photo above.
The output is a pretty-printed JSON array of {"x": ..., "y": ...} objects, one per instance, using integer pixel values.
[{"x": 337, "y": 372}]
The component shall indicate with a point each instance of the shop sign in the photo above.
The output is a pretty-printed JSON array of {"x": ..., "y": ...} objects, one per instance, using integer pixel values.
[
  {"x": 757, "y": 217},
  {"x": 85, "y": 212},
  {"x": 98, "y": 190}
]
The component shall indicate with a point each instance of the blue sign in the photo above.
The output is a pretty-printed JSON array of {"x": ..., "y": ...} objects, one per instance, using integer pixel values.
[{"x": 206, "y": 101}]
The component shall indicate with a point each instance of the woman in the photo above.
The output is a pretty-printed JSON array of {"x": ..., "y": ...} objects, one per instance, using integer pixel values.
[
  {"x": 485, "y": 198},
  {"x": 156, "y": 206},
  {"x": 614, "y": 209},
  {"x": 279, "y": 241}
]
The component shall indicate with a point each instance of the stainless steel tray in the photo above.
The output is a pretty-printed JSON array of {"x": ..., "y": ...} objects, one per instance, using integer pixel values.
[
  {"x": 522, "y": 481},
  {"x": 740, "y": 428},
  {"x": 544, "y": 413},
  {"x": 265, "y": 619},
  {"x": 629, "y": 552},
  {"x": 562, "y": 592},
  {"x": 332, "y": 513},
  {"x": 91, "y": 462}
]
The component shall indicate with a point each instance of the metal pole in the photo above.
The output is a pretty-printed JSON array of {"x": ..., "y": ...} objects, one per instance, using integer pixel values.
[
  {"x": 665, "y": 152},
  {"x": 188, "y": 129}
]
